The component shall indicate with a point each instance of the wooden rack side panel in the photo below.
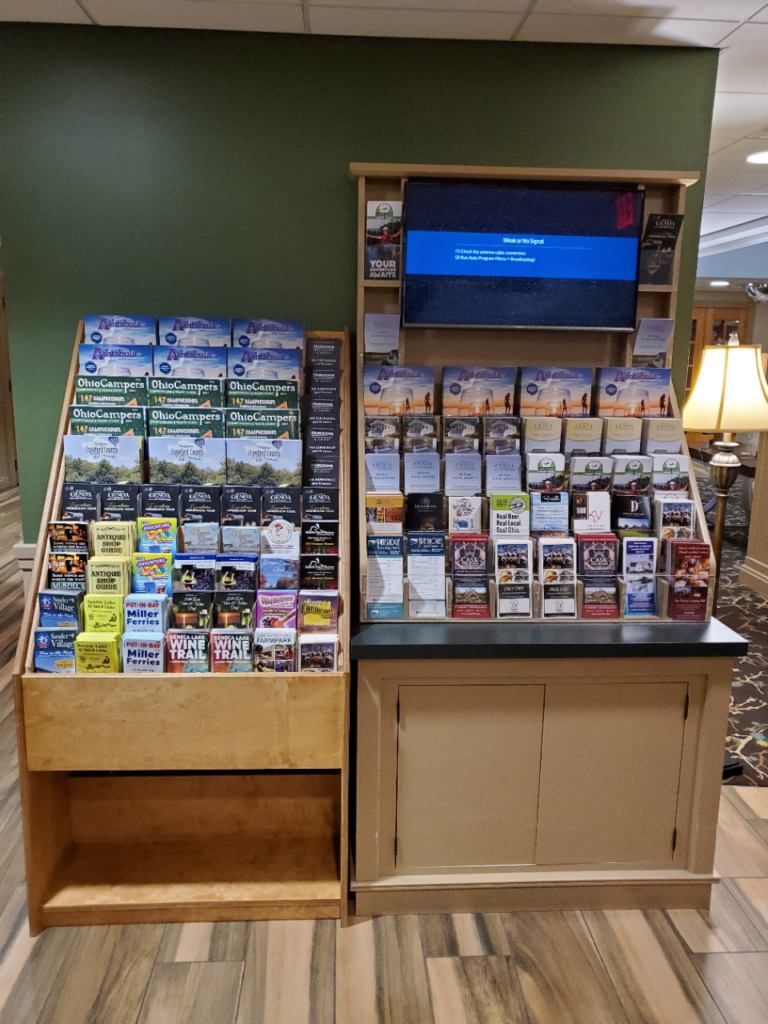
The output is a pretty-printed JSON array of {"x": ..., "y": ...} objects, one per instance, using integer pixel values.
[
  {"x": 345, "y": 492},
  {"x": 44, "y": 825}
]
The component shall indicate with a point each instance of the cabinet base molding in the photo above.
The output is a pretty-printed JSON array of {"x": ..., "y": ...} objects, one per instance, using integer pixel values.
[{"x": 578, "y": 895}]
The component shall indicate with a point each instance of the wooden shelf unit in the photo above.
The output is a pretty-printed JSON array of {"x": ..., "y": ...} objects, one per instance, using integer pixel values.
[
  {"x": 438, "y": 347},
  {"x": 173, "y": 797}
]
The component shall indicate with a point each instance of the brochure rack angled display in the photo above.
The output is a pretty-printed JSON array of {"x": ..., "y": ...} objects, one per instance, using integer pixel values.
[
  {"x": 422, "y": 354},
  {"x": 198, "y": 796},
  {"x": 519, "y": 765}
]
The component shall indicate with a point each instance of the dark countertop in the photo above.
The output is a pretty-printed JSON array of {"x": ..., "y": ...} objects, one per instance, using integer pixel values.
[{"x": 432, "y": 640}]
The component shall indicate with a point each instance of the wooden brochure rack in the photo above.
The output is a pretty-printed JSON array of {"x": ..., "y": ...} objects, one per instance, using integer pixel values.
[{"x": 201, "y": 797}]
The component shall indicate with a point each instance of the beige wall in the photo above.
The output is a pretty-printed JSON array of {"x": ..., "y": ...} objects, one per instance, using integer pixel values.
[{"x": 759, "y": 332}]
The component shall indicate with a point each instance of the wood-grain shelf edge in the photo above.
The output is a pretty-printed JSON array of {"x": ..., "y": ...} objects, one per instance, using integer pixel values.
[{"x": 284, "y": 878}]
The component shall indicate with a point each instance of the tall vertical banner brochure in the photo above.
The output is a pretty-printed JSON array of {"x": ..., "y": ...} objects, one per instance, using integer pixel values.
[
  {"x": 426, "y": 575},
  {"x": 384, "y": 591},
  {"x": 383, "y": 232},
  {"x": 657, "y": 249}
]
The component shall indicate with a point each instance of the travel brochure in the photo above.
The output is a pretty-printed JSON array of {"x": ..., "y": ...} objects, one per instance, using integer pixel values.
[
  {"x": 383, "y": 233},
  {"x": 478, "y": 390},
  {"x": 657, "y": 248},
  {"x": 381, "y": 338},
  {"x": 514, "y": 578},
  {"x": 555, "y": 391},
  {"x": 120, "y": 330},
  {"x": 426, "y": 575},
  {"x": 633, "y": 391}
]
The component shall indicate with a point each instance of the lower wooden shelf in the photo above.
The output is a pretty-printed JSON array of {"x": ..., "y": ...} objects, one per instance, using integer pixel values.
[
  {"x": 220, "y": 878},
  {"x": 121, "y": 848}
]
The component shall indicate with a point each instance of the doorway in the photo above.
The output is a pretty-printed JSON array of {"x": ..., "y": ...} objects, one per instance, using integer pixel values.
[{"x": 713, "y": 327}]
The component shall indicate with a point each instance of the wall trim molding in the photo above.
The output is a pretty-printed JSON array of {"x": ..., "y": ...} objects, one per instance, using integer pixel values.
[
  {"x": 754, "y": 574},
  {"x": 25, "y": 556}
]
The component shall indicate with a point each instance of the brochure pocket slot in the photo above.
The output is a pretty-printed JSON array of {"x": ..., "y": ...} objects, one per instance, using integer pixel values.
[{"x": 591, "y": 598}]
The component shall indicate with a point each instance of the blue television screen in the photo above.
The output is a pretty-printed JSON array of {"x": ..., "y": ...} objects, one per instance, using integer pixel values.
[{"x": 520, "y": 254}]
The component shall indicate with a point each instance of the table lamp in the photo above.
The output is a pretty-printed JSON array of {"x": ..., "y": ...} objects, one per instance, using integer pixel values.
[{"x": 730, "y": 395}]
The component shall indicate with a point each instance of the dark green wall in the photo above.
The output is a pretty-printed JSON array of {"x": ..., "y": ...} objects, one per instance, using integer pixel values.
[{"x": 207, "y": 172}]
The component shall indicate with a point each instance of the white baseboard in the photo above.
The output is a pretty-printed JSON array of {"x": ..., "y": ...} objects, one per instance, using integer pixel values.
[{"x": 25, "y": 556}]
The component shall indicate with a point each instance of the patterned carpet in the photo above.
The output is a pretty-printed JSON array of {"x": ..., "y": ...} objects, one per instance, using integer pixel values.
[{"x": 746, "y": 613}]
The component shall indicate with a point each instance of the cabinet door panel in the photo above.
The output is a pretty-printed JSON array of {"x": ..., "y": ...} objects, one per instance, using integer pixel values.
[
  {"x": 610, "y": 772},
  {"x": 468, "y": 771}
]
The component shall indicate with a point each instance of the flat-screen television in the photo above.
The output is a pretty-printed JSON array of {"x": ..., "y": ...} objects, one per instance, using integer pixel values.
[{"x": 520, "y": 254}]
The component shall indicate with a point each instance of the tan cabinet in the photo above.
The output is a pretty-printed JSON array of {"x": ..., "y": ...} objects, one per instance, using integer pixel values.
[
  {"x": 477, "y": 781},
  {"x": 621, "y": 747},
  {"x": 467, "y": 768}
]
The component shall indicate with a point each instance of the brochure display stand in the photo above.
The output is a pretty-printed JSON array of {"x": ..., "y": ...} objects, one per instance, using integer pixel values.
[
  {"x": 586, "y": 774},
  {"x": 436, "y": 348},
  {"x": 183, "y": 797}
]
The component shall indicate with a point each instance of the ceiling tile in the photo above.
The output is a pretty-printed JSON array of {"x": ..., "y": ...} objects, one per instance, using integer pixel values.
[
  {"x": 718, "y": 142},
  {"x": 236, "y": 15},
  {"x": 66, "y": 12},
  {"x": 737, "y": 114},
  {"x": 731, "y": 181},
  {"x": 711, "y": 221},
  {"x": 728, "y": 171},
  {"x": 503, "y": 6},
  {"x": 712, "y": 198},
  {"x": 574, "y": 28},
  {"x": 743, "y": 66},
  {"x": 710, "y": 10},
  {"x": 350, "y": 21},
  {"x": 756, "y": 205}
]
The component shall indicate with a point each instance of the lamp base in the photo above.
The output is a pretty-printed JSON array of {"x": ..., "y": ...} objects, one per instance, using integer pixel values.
[
  {"x": 723, "y": 472},
  {"x": 724, "y": 467}
]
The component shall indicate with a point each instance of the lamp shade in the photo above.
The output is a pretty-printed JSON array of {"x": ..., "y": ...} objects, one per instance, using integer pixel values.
[{"x": 730, "y": 393}]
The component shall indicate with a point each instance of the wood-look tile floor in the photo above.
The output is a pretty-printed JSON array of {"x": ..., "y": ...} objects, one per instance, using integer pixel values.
[{"x": 617, "y": 967}]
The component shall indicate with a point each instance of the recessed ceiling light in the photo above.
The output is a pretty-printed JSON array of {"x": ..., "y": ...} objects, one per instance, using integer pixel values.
[
  {"x": 719, "y": 284},
  {"x": 758, "y": 158}
]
